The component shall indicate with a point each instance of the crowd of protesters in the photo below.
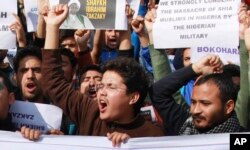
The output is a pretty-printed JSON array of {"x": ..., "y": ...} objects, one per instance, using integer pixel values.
[{"x": 102, "y": 78}]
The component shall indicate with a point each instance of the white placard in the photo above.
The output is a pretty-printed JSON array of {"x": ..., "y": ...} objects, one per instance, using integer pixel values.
[
  {"x": 134, "y": 4},
  {"x": 227, "y": 54},
  {"x": 187, "y": 23},
  {"x": 42, "y": 117},
  {"x": 31, "y": 12},
  {"x": 8, "y": 37},
  {"x": 15, "y": 141}
]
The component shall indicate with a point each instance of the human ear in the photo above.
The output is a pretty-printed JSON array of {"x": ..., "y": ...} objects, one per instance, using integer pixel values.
[
  {"x": 134, "y": 97},
  {"x": 11, "y": 98},
  {"x": 15, "y": 77},
  {"x": 229, "y": 107}
]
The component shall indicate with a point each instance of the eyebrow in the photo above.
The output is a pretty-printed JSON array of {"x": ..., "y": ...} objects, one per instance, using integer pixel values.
[
  {"x": 34, "y": 67},
  {"x": 201, "y": 100}
]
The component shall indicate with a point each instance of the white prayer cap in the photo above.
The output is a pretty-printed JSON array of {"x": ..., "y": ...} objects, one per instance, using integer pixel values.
[{"x": 74, "y": 1}]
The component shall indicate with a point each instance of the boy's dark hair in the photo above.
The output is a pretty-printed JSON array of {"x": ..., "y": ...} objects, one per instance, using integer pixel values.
[
  {"x": 83, "y": 70},
  {"x": 7, "y": 82},
  {"x": 134, "y": 77},
  {"x": 25, "y": 52},
  {"x": 224, "y": 82},
  {"x": 68, "y": 53},
  {"x": 65, "y": 34},
  {"x": 232, "y": 70}
]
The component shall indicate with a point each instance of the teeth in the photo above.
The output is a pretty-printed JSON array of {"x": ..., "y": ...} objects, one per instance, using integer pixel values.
[{"x": 102, "y": 102}]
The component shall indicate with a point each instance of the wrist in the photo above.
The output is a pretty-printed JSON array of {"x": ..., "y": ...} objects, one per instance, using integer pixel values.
[
  {"x": 83, "y": 48},
  {"x": 196, "y": 68},
  {"x": 52, "y": 28}
]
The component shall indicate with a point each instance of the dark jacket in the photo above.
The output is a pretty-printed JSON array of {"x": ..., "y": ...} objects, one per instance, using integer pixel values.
[
  {"x": 6, "y": 124},
  {"x": 173, "y": 114}
]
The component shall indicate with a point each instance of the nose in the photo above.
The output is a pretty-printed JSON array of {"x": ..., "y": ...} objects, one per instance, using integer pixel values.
[
  {"x": 196, "y": 109},
  {"x": 91, "y": 82},
  {"x": 30, "y": 74},
  {"x": 113, "y": 33},
  {"x": 102, "y": 91}
]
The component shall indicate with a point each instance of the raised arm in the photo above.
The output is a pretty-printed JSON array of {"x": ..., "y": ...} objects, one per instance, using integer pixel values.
[
  {"x": 242, "y": 103},
  {"x": 138, "y": 27},
  {"x": 54, "y": 18},
  {"x": 84, "y": 54},
  {"x": 41, "y": 25},
  {"x": 54, "y": 84},
  {"x": 20, "y": 34}
]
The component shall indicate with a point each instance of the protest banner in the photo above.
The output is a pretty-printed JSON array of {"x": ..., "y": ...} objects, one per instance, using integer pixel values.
[
  {"x": 94, "y": 14},
  {"x": 15, "y": 141},
  {"x": 31, "y": 13},
  {"x": 226, "y": 54},
  {"x": 41, "y": 117},
  {"x": 8, "y": 37},
  {"x": 187, "y": 23}
]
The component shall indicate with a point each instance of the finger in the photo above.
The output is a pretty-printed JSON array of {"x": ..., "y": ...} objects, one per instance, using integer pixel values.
[
  {"x": 37, "y": 134},
  {"x": 217, "y": 61},
  {"x": 127, "y": 9},
  {"x": 248, "y": 12},
  {"x": 114, "y": 139},
  {"x": 211, "y": 59},
  {"x": 132, "y": 12},
  {"x": 31, "y": 134},
  {"x": 118, "y": 140},
  {"x": 12, "y": 26},
  {"x": 53, "y": 9},
  {"x": 23, "y": 130},
  {"x": 151, "y": 4},
  {"x": 18, "y": 20},
  {"x": 55, "y": 132},
  {"x": 149, "y": 17},
  {"x": 125, "y": 138},
  {"x": 140, "y": 18},
  {"x": 214, "y": 61},
  {"x": 45, "y": 10},
  {"x": 78, "y": 32},
  {"x": 27, "y": 133},
  {"x": 16, "y": 17},
  {"x": 60, "y": 8},
  {"x": 135, "y": 22},
  {"x": 109, "y": 135},
  {"x": 66, "y": 9}
]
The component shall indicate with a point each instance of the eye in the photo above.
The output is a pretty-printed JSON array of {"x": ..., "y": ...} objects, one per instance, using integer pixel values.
[
  {"x": 85, "y": 79},
  {"x": 112, "y": 87},
  {"x": 100, "y": 86},
  {"x": 206, "y": 103},
  {"x": 193, "y": 102},
  {"x": 98, "y": 79},
  {"x": 23, "y": 70},
  {"x": 37, "y": 70}
]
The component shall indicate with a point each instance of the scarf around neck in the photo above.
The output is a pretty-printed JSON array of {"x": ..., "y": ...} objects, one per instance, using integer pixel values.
[{"x": 230, "y": 125}]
